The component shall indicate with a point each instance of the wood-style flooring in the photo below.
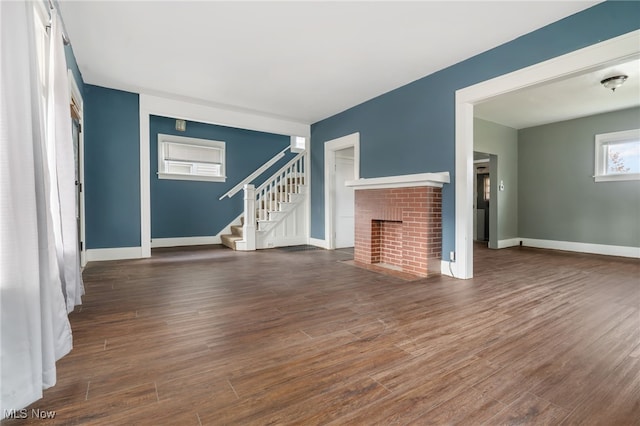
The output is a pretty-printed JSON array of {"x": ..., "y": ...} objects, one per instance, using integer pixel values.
[{"x": 209, "y": 336}]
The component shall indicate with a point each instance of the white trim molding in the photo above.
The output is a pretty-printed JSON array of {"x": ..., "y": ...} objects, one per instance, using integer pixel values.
[
  {"x": 603, "y": 249},
  {"x": 196, "y": 241},
  {"x": 511, "y": 242},
  {"x": 193, "y": 160},
  {"x": 403, "y": 181},
  {"x": 209, "y": 114},
  {"x": 185, "y": 241},
  {"x": 620, "y": 48},
  {"x": 118, "y": 253},
  {"x": 330, "y": 148},
  {"x": 602, "y": 143},
  {"x": 318, "y": 243}
]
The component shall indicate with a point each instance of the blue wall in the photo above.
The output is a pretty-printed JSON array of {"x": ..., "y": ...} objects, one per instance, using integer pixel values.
[
  {"x": 181, "y": 208},
  {"x": 411, "y": 129},
  {"x": 111, "y": 168}
]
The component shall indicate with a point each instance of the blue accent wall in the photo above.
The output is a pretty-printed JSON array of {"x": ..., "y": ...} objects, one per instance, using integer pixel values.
[
  {"x": 412, "y": 129},
  {"x": 182, "y": 208},
  {"x": 111, "y": 168}
]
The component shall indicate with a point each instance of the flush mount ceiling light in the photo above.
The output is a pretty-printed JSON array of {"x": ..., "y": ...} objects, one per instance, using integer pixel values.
[{"x": 613, "y": 82}]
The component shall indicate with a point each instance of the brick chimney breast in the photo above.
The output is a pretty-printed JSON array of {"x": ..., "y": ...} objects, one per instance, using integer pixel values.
[{"x": 400, "y": 228}]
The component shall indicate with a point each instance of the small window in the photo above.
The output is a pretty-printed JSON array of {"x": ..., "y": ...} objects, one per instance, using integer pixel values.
[
  {"x": 298, "y": 143},
  {"x": 190, "y": 159},
  {"x": 487, "y": 188},
  {"x": 618, "y": 156}
]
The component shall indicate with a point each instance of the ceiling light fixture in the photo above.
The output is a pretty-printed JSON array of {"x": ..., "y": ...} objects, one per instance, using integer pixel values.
[{"x": 614, "y": 82}]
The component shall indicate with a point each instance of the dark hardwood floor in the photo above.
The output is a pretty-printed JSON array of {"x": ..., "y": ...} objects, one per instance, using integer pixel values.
[{"x": 211, "y": 336}]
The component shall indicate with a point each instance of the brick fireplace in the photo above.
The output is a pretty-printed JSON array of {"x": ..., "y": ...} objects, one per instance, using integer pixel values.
[{"x": 399, "y": 227}]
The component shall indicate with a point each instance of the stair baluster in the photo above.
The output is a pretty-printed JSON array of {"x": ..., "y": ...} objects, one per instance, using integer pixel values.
[{"x": 268, "y": 198}]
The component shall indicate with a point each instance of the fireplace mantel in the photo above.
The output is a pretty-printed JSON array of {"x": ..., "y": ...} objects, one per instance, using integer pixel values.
[{"x": 404, "y": 181}]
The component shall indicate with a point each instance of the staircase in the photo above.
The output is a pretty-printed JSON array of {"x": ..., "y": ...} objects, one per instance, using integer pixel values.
[
  {"x": 236, "y": 234},
  {"x": 279, "y": 208}
]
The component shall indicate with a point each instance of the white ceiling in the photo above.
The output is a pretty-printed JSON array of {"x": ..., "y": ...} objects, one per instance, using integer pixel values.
[
  {"x": 575, "y": 96},
  {"x": 300, "y": 60}
]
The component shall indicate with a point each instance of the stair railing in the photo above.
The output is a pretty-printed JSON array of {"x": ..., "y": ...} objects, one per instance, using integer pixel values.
[
  {"x": 260, "y": 170},
  {"x": 259, "y": 202},
  {"x": 276, "y": 189}
]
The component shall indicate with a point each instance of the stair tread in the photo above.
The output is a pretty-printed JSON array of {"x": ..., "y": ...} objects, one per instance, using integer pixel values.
[{"x": 229, "y": 240}]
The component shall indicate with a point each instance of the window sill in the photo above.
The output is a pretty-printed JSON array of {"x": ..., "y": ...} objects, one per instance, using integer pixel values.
[
  {"x": 617, "y": 178},
  {"x": 175, "y": 176}
]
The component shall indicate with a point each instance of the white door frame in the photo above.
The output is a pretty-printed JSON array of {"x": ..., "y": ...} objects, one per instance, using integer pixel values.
[
  {"x": 330, "y": 148},
  {"x": 618, "y": 49},
  {"x": 76, "y": 95}
]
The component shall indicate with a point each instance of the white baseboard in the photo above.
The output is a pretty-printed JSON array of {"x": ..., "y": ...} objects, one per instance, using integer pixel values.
[
  {"x": 118, "y": 253},
  {"x": 195, "y": 241},
  {"x": 511, "y": 242},
  {"x": 281, "y": 242},
  {"x": 448, "y": 268},
  {"x": 185, "y": 241},
  {"x": 318, "y": 243},
  {"x": 603, "y": 249}
]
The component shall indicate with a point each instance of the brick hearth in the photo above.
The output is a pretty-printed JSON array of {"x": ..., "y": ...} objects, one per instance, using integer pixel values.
[{"x": 400, "y": 227}]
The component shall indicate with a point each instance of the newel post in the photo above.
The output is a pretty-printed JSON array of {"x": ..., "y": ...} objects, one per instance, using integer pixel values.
[{"x": 249, "y": 227}]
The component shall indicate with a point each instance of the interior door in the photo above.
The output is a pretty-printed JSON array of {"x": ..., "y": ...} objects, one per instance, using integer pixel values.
[{"x": 344, "y": 202}]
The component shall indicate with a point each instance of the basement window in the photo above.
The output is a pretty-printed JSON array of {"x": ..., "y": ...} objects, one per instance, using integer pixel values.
[
  {"x": 185, "y": 158},
  {"x": 617, "y": 156}
]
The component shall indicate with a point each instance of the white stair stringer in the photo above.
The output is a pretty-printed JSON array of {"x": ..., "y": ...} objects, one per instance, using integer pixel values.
[{"x": 287, "y": 225}]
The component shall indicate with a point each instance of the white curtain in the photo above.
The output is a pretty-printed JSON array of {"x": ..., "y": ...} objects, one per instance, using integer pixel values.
[{"x": 34, "y": 329}]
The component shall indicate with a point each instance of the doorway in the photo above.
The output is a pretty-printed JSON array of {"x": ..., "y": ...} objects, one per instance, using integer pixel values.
[
  {"x": 485, "y": 199},
  {"x": 482, "y": 200},
  {"x": 342, "y": 163},
  {"x": 344, "y": 199},
  {"x": 614, "y": 50}
]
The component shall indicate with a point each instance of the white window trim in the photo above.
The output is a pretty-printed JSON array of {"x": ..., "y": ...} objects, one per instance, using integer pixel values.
[
  {"x": 601, "y": 142},
  {"x": 163, "y": 138}
]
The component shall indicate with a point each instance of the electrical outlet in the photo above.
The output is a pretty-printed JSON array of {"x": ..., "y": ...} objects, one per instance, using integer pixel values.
[{"x": 452, "y": 256}]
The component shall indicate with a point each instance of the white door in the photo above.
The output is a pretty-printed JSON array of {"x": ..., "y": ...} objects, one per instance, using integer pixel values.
[{"x": 344, "y": 201}]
